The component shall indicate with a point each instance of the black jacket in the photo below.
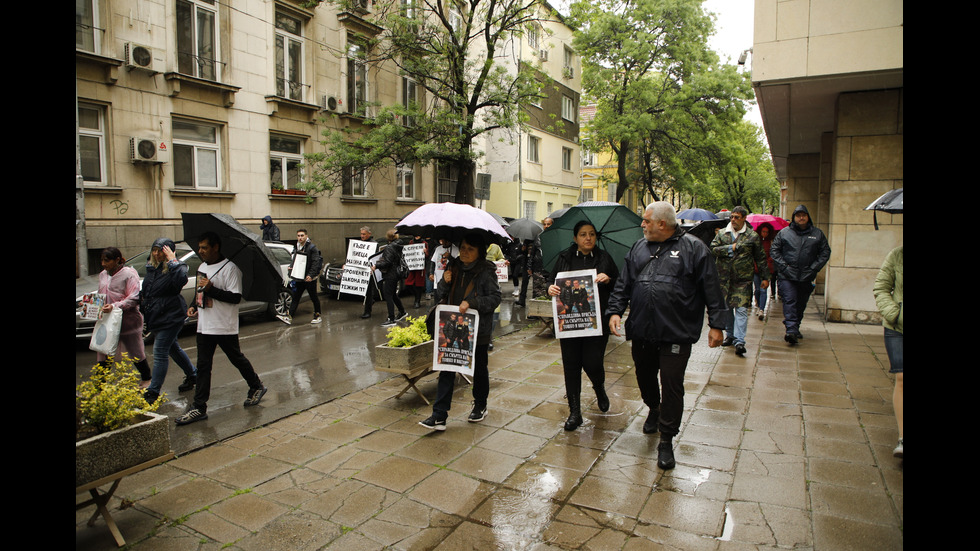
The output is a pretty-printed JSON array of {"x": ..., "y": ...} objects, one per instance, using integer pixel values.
[
  {"x": 314, "y": 260},
  {"x": 484, "y": 295},
  {"x": 799, "y": 253},
  {"x": 390, "y": 259},
  {"x": 667, "y": 287},
  {"x": 569, "y": 260},
  {"x": 160, "y": 299}
]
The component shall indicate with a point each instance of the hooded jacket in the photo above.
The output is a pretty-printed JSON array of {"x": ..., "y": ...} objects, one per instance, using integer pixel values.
[
  {"x": 160, "y": 300},
  {"x": 270, "y": 231},
  {"x": 799, "y": 253},
  {"x": 667, "y": 287}
]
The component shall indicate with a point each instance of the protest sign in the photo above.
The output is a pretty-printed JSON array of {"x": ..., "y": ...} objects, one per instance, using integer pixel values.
[
  {"x": 414, "y": 255},
  {"x": 501, "y": 270},
  {"x": 576, "y": 308},
  {"x": 456, "y": 340}
]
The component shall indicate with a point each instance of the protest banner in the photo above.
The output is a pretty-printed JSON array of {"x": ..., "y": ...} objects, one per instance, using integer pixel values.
[
  {"x": 414, "y": 255},
  {"x": 576, "y": 308},
  {"x": 456, "y": 340},
  {"x": 502, "y": 275},
  {"x": 357, "y": 268}
]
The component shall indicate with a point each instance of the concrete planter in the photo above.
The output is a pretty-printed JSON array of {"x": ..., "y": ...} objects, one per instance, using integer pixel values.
[
  {"x": 111, "y": 452},
  {"x": 404, "y": 360},
  {"x": 540, "y": 308}
]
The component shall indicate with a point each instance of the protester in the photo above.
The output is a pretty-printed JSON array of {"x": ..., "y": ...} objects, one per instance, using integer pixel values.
[
  {"x": 219, "y": 290},
  {"x": 585, "y": 353},
  {"x": 391, "y": 264},
  {"x": 738, "y": 253},
  {"x": 165, "y": 311},
  {"x": 369, "y": 298},
  {"x": 496, "y": 254},
  {"x": 470, "y": 281},
  {"x": 889, "y": 291},
  {"x": 762, "y": 294},
  {"x": 121, "y": 286},
  {"x": 309, "y": 256},
  {"x": 668, "y": 280},
  {"x": 799, "y": 251},
  {"x": 416, "y": 278},
  {"x": 441, "y": 257},
  {"x": 270, "y": 231}
]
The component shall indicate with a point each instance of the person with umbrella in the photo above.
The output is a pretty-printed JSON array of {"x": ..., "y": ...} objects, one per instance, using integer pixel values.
[
  {"x": 762, "y": 294},
  {"x": 799, "y": 252},
  {"x": 219, "y": 290},
  {"x": 470, "y": 281},
  {"x": 738, "y": 252},
  {"x": 585, "y": 353}
]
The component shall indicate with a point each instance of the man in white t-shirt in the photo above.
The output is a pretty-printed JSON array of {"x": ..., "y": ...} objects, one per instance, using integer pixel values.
[
  {"x": 443, "y": 253},
  {"x": 219, "y": 291}
]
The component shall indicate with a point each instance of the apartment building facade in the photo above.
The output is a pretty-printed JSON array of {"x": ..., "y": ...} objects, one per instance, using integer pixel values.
[{"x": 208, "y": 106}]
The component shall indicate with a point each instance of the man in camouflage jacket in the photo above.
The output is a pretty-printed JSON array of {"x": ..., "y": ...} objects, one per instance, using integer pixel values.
[{"x": 738, "y": 251}]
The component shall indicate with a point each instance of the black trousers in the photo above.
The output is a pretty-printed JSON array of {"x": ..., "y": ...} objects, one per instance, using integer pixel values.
[
  {"x": 669, "y": 362},
  {"x": 481, "y": 384},
  {"x": 206, "y": 346},
  {"x": 301, "y": 286},
  {"x": 583, "y": 354}
]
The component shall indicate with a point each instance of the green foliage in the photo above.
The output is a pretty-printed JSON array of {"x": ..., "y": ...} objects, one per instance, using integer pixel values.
[
  {"x": 111, "y": 397},
  {"x": 415, "y": 333}
]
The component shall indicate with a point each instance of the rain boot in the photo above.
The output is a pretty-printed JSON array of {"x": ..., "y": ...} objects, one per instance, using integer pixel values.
[{"x": 574, "y": 420}]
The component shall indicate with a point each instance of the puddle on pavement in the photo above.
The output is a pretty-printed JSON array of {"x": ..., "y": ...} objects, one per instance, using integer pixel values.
[
  {"x": 519, "y": 519},
  {"x": 726, "y": 531}
]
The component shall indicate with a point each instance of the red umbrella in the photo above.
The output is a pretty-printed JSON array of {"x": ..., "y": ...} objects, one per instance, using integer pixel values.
[{"x": 776, "y": 222}]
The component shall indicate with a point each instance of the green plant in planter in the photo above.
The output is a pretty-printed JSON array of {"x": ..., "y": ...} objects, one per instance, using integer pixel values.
[
  {"x": 111, "y": 397},
  {"x": 415, "y": 333}
]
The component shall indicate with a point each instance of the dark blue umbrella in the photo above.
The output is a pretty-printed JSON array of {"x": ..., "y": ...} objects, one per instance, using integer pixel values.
[{"x": 696, "y": 214}]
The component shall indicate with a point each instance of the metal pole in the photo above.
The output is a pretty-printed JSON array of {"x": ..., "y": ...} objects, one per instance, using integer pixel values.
[{"x": 81, "y": 242}]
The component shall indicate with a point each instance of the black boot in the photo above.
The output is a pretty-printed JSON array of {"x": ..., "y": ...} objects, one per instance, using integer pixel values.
[
  {"x": 652, "y": 424},
  {"x": 574, "y": 420},
  {"x": 601, "y": 399},
  {"x": 665, "y": 455},
  {"x": 144, "y": 369}
]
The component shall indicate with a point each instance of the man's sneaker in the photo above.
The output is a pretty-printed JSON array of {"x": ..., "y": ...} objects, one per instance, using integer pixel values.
[
  {"x": 365, "y": 315},
  {"x": 401, "y": 316},
  {"x": 192, "y": 416},
  {"x": 188, "y": 384},
  {"x": 433, "y": 423},
  {"x": 285, "y": 319},
  {"x": 316, "y": 319},
  {"x": 150, "y": 397},
  {"x": 740, "y": 350},
  {"x": 255, "y": 396},
  {"x": 516, "y": 293},
  {"x": 389, "y": 322},
  {"x": 790, "y": 338},
  {"x": 899, "y": 450},
  {"x": 477, "y": 415},
  {"x": 665, "y": 456},
  {"x": 728, "y": 341}
]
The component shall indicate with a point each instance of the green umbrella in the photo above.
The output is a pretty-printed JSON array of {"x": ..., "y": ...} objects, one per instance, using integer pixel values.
[{"x": 618, "y": 228}]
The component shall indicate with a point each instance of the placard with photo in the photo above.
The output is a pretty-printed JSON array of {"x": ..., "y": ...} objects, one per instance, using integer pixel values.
[
  {"x": 455, "y": 340},
  {"x": 576, "y": 308}
]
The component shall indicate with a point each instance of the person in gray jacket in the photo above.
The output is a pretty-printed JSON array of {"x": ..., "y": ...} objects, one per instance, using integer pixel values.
[{"x": 798, "y": 251}]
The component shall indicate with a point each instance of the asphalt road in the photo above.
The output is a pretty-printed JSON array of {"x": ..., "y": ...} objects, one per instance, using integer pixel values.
[{"x": 302, "y": 365}]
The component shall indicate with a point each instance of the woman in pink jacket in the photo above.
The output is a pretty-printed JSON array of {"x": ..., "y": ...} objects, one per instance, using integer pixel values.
[{"x": 121, "y": 285}]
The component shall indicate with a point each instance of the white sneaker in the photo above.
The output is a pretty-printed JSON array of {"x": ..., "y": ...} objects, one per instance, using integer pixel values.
[
  {"x": 516, "y": 293},
  {"x": 285, "y": 319},
  {"x": 316, "y": 319}
]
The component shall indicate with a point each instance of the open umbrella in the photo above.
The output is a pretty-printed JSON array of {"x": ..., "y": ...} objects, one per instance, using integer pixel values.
[
  {"x": 525, "y": 229},
  {"x": 696, "y": 214},
  {"x": 776, "y": 222},
  {"x": 706, "y": 230},
  {"x": 500, "y": 220},
  {"x": 451, "y": 221},
  {"x": 618, "y": 228},
  {"x": 891, "y": 202},
  {"x": 261, "y": 273}
]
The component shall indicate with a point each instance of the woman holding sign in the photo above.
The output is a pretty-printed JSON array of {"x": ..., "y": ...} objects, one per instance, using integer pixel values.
[
  {"x": 586, "y": 353},
  {"x": 470, "y": 281}
]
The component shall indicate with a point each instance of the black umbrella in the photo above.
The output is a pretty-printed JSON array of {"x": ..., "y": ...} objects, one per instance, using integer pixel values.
[
  {"x": 261, "y": 274},
  {"x": 706, "y": 230},
  {"x": 524, "y": 229},
  {"x": 891, "y": 202}
]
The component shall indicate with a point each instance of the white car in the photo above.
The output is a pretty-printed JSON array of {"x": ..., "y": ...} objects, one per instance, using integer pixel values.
[{"x": 281, "y": 251}]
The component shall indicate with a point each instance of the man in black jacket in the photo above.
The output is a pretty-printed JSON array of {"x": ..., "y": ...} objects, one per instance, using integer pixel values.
[
  {"x": 303, "y": 279},
  {"x": 798, "y": 252},
  {"x": 668, "y": 280}
]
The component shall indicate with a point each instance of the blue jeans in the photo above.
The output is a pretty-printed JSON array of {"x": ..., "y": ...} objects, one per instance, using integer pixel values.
[
  {"x": 760, "y": 294},
  {"x": 895, "y": 347},
  {"x": 164, "y": 345},
  {"x": 737, "y": 324}
]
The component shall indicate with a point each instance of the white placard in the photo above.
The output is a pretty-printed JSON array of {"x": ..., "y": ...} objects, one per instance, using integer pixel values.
[
  {"x": 576, "y": 308},
  {"x": 501, "y": 271},
  {"x": 299, "y": 266},
  {"x": 355, "y": 281},
  {"x": 359, "y": 253},
  {"x": 414, "y": 255},
  {"x": 455, "y": 340}
]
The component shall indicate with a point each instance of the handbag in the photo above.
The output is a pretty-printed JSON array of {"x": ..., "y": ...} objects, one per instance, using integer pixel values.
[{"x": 105, "y": 335}]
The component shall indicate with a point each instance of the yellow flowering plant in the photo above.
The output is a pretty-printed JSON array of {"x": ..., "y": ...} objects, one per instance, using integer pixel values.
[
  {"x": 111, "y": 397},
  {"x": 415, "y": 333}
]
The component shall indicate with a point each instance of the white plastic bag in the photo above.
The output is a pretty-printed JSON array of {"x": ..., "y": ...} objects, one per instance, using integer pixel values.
[{"x": 105, "y": 335}]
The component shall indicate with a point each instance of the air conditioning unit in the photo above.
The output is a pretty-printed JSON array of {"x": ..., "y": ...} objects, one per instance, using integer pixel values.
[
  {"x": 139, "y": 57},
  {"x": 148, "y": 150},
  {"x": 330, "y": 103}
]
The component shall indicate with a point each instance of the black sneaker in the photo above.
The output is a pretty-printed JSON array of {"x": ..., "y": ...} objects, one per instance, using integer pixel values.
[
  {"x": 255, "y": 396},
  {"x": 477, "y": 415},
  {"x": 728, "y": 341},
  {"x": 365, "y": 315},
  {"x": 188, "y": 384},
  {"x": 192, "y": 416},
  {"x": 401, "y": 316},
  {"x": 389, "y": 322},
  {"x": 652, "y": 424},
  {"x": 790, "y": 338},
  {"x": 740, "y": 350},
  {"x": 433, "y": 423},
  {"x": 665, "y": 456},
  {"x": 150, "y": 397}
]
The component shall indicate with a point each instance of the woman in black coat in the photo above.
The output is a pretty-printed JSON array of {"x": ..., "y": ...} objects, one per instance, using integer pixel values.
[{"x": 586, "y": 353}]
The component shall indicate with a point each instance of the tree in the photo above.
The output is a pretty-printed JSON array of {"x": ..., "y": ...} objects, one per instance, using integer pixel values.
[
  {"x": 456, "y": 53},
  {"x": 744, "y": 173},
  {"x": 661, "y": 93}
]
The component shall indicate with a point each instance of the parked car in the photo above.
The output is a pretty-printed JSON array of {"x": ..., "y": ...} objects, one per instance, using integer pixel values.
[{"x": 281, "y": 251}]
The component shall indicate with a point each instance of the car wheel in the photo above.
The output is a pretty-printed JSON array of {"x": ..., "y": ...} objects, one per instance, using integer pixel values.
[{"x": 281, "y": 306}]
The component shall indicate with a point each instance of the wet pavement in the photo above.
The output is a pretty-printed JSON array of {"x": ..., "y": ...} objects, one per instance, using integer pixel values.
[{"x": 789, "y": 447}]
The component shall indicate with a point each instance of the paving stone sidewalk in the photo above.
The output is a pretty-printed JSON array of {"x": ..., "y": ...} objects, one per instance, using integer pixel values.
[{"x": 787, "y": 448}]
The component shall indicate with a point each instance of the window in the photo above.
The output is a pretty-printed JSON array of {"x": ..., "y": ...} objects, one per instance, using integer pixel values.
[
  {"x": 588, "y": 195},
  {"x": 405, "y": 182},
  {"x": 448, "y": 178},
  {"x": 568, "y": 61},
  {"x": 197, "y": 158},
  {"x": 566, "y": 158},
  {"x": 197, "y": 39},
  {"x": 357, "y": 78},
  {"x": 532, "y": 148},
  {"x": 568, "y": 108},
  {"x": 285, "y": 162},
  {"x": 532, "y": 37},
  {"x": 92, "y": 143},
  {"x": 409, "y": 98},
  {"x": 455, "y": 19},
  {"x": 86, "y": 26},
  {"x": 530, "y": 209},
  {"x": 354, "y": 182},
  {"x": 588, "y": 158},
  {"x": 408, "y": 9},
  {"x": 289, "y": 57}
]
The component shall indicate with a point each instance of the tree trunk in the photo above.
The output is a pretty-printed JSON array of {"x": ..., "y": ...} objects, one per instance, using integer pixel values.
[{"x": 465, "y": 184}]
